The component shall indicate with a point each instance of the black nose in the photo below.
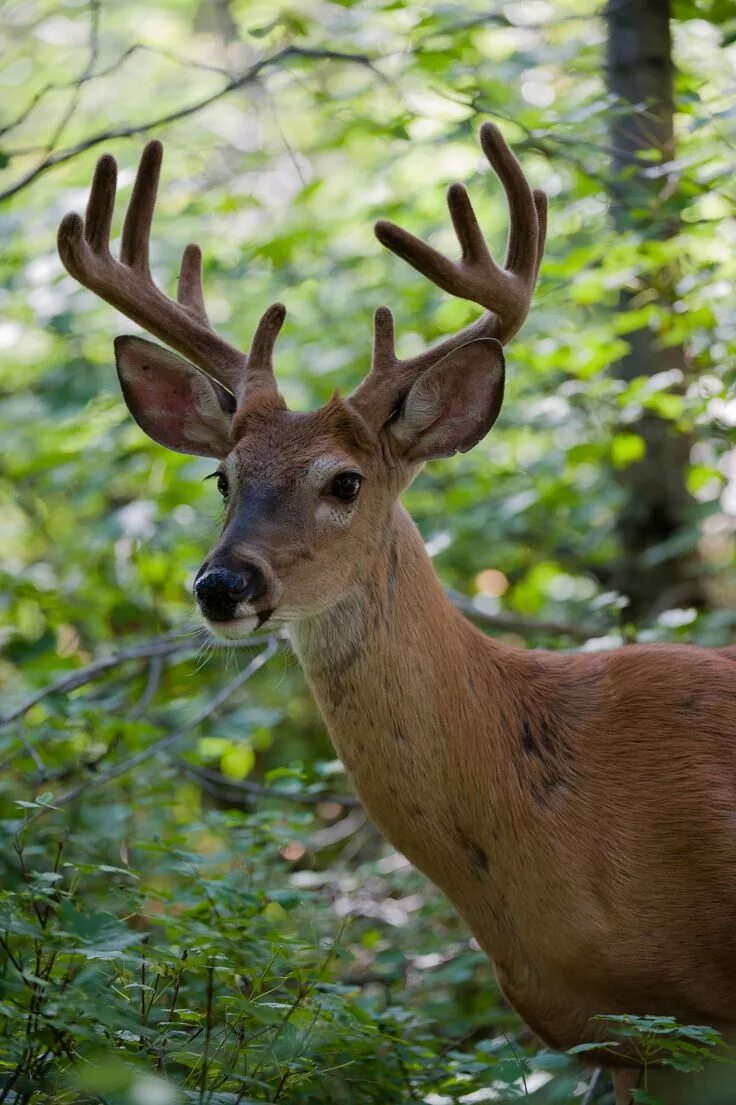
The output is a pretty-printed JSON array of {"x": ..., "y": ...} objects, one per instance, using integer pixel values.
[{"x": 219, "y": 590}]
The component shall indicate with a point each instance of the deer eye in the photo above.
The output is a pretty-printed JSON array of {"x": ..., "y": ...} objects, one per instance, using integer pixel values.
[
  {"x": 346, "y": 486},
  {"x": 222, "y": 485}
]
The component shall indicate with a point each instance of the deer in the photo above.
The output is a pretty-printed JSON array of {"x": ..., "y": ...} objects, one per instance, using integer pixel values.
[{"x": 578, "y": 809}]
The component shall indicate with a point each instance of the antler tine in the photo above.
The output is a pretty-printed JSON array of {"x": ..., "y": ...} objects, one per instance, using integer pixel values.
[
  {"x": 134, "y": 246},
  {"x": 259, "y": 375},
  {"x": 189, "y": 290},
  {"x": 101, "y": 204},
  {"x": 384, "y": 340},
  {"x": 84, "y": 247},
  {"x": 505, "y": 292},
  {"x": 521, "y": 249}
]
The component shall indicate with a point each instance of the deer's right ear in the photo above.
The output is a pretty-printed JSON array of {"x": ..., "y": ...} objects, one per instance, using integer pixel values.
[{"x": 173, "y": 402}]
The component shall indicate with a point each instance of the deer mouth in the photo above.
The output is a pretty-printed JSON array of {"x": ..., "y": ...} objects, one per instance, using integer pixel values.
[
  {"x": 239, "y": 625},
  {"x": 233, "y": 629}
]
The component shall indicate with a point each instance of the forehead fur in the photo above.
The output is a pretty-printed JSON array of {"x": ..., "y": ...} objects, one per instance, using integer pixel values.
[{"x": 268, "y": 435}]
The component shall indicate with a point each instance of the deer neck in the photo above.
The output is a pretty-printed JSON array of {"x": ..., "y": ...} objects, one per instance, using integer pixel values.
[{"x": 405, "y": 684}]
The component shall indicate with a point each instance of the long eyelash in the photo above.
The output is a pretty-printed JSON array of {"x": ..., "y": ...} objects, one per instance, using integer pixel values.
[{"x": 212, "y": 476}]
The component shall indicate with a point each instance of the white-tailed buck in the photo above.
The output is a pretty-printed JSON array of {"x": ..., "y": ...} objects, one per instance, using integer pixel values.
[{"x": 578, "y": 810}]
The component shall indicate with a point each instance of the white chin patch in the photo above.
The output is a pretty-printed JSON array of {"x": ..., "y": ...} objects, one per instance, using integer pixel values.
[{"x": 234, "y": 629}]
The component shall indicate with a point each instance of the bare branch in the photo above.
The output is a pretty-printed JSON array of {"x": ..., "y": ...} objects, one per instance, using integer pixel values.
[
  {"x": 63, "y": 86},
  {"x": 124, "y": 766},
  {"x": 516, "y": 623},
  {"x": 158, "y": 647},
  {"x": 155, "y": 671},
  {"x": 219, "y": 786},
  {"x": 590, "y": 1090},
  {"x": 94, "y": 46},
  {"x": 248, "y": 77}
]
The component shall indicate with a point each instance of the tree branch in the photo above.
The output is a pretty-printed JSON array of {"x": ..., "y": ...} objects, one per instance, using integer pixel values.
[
  {"x": 158, "y": 647},
  {"x": 218, "y": 785},
  {"x": 517, "y": 623},
  {"x": 248, "y": 77},
  {"x": 169, "y": 739}
]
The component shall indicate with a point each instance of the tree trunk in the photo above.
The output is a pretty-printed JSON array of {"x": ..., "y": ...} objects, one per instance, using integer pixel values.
[{"x": 658, "y": 568}]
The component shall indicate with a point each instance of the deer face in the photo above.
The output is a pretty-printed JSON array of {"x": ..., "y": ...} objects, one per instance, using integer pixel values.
[
  {"x": 308, "y": 496},
  {"x": 305, "y": 495}
]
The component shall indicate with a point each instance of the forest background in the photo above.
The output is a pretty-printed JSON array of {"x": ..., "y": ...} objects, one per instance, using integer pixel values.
[{"x": 193, "y": 907}]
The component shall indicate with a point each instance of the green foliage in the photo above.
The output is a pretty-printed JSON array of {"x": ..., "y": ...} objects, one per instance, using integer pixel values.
[
  {"x": 207, "y": 968},
  {"x": 659, "y": 1040},
  {"x": 196, "y": 912}
]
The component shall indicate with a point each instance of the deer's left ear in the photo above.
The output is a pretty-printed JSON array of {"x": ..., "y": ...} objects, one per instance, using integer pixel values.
[
  {"x": 453, "y": 404},
  {"x": 172, "y": 401}
]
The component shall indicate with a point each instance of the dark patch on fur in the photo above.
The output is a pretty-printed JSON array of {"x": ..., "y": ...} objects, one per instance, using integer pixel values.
[
  {"x": 351, "y": 656},
  {"x": 334, "y": 693},
  {"x": 477, "y": 855},
  {"x": 552, "y": 781},
  {"x": 342, "y": 660},
  {"x": 690, "y": 704},
  {"x": 541, "y": 741},
  {"x": 251, "y": 508},
  {"x": 399, "y": 733},
  {"x": 548, "y": 757},
  {"x": 337, "y": 688}
]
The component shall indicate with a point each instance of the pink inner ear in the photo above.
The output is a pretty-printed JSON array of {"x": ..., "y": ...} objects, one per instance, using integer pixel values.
[
  {"x": 167, "y": 394},
  {"x": 460, "y": 403},
  {"x": 173, "y": 402}
]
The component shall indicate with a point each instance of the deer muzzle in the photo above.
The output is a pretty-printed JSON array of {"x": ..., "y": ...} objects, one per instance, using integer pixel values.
[{"x": 229, "y": 593}]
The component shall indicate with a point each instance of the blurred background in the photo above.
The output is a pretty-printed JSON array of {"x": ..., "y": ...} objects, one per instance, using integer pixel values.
[{"x": 193, "y": 905}]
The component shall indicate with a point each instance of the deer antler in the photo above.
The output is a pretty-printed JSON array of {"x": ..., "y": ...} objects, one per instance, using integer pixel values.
[
  {"x": 127, "y": 284},
  {"x": 505, "y": 292}
]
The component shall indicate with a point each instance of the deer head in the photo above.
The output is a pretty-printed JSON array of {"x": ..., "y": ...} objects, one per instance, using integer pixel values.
[{"x": 308, "y": 495}]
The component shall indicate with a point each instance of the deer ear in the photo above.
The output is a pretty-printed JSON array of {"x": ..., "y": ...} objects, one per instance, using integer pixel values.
[
  {"x": 453, "y": 404},
  {"x": 172, "y": 401}
]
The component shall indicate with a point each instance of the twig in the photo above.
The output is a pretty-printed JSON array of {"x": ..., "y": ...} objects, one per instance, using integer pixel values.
[
  {"x": 216, "y": 784},
  {"x": 207, "y": 1033},
  {"x": 235, "y": 83},
  {"x": 591, "y": 1087},
  {"x": 99, "y": 74},
  {"x": 159, "y": 646},
  {"x": 165, "y": 742},
  {"x": 519, "y": 624},
  {"x": 94, "y": 46},
  {"x": 155, "y": 670},
  {"x": 341, "y": 830}
]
